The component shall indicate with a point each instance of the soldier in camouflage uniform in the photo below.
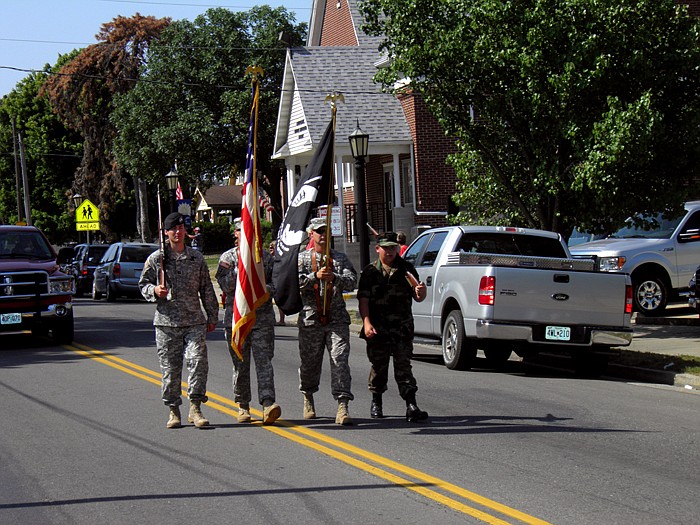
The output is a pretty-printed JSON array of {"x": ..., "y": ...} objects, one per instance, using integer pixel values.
[
  {"x": 318, "y": 333},
  {"x": 180, "y": 325},
  {"x": 385, "y": 294},
  {"x": 260, "y": 341}
]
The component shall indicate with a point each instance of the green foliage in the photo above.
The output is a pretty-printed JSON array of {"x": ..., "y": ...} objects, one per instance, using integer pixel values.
[
  {"x": 218, "y": 237},
  {"x": 193, "y": 101},
  {"x": 565, "y": 111},
  {"x": 52, "y": 155}
]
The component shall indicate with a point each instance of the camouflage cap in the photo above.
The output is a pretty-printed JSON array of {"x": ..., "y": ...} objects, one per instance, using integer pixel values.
[
  {"x": 387, "y": 239},
  {"x": 316, "y": 224},
  {"x": 173, "y": 220}
]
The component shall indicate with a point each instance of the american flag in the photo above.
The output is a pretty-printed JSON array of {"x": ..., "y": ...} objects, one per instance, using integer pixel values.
[
  {"x": 178, "y": 192},
  {"x": 251, "y": 289},
  {"x": 264, "y": 201}
]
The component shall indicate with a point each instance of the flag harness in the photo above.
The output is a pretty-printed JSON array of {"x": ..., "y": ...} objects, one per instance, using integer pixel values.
[{"x": 323, "y": 313}]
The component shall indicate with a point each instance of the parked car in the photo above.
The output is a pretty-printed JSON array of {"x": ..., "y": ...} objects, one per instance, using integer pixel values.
[
  {"x": 119, "y": 271},
  {"x": 85, "y": 260},
  {"x": 693, "y": 293},
  {"x": 660, "y": 255},
  {"x": 34, "y": 293}
]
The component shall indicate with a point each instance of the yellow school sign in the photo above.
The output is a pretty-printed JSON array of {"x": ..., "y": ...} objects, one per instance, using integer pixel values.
[{"x": 87, "y": 217}]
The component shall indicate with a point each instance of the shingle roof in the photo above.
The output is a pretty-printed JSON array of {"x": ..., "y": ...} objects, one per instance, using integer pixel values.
[
  {"x": 348, "y": 70},
  {"x": 223, "y": 195}
]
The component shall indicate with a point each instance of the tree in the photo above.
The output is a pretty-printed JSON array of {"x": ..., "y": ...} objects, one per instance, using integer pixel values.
[
  {"x": 193, "y": 101},
  {"x": 52, "y": 153},
  {"x": 82, "y": 92},
  {"x": 564, "y": 111}
]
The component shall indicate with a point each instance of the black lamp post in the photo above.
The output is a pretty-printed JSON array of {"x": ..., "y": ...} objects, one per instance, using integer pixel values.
[
  {"x": 171, "y": 180},
  {"x": 77, "y": 201},
  {"x": 359, "y": 144}
]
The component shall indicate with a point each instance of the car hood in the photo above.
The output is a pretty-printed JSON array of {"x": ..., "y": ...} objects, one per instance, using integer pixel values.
[
  {"x": 613, "y": 246},
  {"x": 23, "y": 265}
]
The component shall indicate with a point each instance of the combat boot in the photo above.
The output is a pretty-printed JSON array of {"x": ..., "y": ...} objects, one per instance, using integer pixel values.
[
  {"x": 243, "y": 413},
  {"x": 196, "y": 416},
  {"x": 309, "y": 410},
  {"x": 174, "y": 421},
  {"x": 271, "y": 412},
  {"x": 375, "y": 410},
  {"x": 413, "y": 413},
  {"x": 343, "y": 415}
]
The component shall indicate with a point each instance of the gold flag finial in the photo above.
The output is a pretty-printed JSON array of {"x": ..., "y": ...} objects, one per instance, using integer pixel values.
[
  {"x": 255, "y": 71},
  {"x": 334, "y": 98}
]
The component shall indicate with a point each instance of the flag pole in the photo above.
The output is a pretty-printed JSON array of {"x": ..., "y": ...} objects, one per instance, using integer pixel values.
[
  {"x": 255, "y": 72},
  {"x": 333, "y": 99}
]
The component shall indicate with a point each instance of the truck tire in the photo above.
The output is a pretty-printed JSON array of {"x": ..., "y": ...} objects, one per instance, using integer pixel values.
[
  {"x": 110, "y": 294},
  {"x": 650, "y": 294},
  {"x": 457, "y": 351},
  {"x": 63, "y": 330},
  {"x": 497, "y": 357}
]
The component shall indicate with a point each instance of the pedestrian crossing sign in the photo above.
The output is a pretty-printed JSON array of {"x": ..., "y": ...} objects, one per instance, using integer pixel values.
[{"x": 87, "y": 212}]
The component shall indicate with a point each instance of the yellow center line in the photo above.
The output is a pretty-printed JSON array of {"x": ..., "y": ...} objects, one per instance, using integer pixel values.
[{"x": 316, "y": 440}]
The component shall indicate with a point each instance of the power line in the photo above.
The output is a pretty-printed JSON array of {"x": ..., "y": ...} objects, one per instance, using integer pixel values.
[{"x": 192, "y": 5}]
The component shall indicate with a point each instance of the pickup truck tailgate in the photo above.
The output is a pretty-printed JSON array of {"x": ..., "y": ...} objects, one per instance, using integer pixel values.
[{"x": 559, "y": 297}]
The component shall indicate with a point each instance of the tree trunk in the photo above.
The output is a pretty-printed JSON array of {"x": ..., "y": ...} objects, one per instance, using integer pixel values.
[{"x": 142, "y": 225}]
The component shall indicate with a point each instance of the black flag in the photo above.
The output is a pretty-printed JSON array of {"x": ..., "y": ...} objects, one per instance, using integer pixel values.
[{"x": 311, "y": 193}]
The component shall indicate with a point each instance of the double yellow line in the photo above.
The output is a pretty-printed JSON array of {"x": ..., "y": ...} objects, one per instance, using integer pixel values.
[{"x": 374, "y": 464}]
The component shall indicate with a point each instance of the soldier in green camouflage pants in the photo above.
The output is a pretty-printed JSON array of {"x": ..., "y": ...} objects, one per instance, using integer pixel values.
[
  {"x": 260, "y": 341},
  {"x": 385, "y": 295},
  {"x": 317, "y": 334},
  {"x": 179, "y": 322}
]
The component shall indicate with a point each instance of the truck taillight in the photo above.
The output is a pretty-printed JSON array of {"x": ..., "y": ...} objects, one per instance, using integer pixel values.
[
  {"x": 487, "y": 285},
  {"x": 116, "y": 270},
  {"x": 84, "y": 269},
  {"x": 628, "y": 299}
]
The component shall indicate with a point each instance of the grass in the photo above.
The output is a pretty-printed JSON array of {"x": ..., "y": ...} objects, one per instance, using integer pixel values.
[{"x": 682, "y": 364}]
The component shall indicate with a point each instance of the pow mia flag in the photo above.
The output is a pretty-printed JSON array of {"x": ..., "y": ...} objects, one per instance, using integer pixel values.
[{"x": 311, "y": 193}]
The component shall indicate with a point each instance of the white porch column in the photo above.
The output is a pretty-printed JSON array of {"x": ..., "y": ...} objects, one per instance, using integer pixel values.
[{"x": 397, "y": 181}]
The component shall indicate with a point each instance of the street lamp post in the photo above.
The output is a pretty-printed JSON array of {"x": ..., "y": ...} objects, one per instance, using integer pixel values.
[
  {"x": 359, "y": 144},
  {"x": 171, "y": 180},
  {"x": 77, "y": 201}
]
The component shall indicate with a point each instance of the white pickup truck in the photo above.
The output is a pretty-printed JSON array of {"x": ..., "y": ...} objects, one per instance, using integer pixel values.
[
  {"x": 661, "y": 258},
  {"x": 503, "y": 289}
]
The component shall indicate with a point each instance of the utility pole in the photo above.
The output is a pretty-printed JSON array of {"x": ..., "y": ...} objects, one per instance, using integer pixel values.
[
  {"x": 25, "y": 180},
  {"x": 17, "y": 181}
]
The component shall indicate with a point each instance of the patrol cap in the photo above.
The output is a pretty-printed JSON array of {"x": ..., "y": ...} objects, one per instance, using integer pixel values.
[
  {"x": 316, "y": 224},
  {"x": 237, "y": 223},
  {"x": 196, "y": 229},
  {"x": 387, "y": 239},
  {"x": 173, "y": 220}
]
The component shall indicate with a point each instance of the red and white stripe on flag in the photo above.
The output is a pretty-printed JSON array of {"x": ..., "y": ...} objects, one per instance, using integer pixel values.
[
  {"x": 178, "y": 192},
  {"x": 251, "y": 289}
]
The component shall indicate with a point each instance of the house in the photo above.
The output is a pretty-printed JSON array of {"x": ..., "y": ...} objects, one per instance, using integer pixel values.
[
  {"x": 408, "y": 183},
  {"x": 216, "y": 202}
]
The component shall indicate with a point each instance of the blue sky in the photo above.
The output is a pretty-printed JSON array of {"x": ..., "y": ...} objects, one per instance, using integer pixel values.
[{"x": 35, "y": 32}]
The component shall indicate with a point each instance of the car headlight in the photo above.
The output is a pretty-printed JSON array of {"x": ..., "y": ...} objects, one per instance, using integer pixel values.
[
  {"x": 61, "y": 286},
  {"x": 610, "y": 264}
]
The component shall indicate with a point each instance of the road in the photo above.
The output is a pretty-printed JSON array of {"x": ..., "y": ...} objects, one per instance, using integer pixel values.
[{"x": 83, "y": 441}]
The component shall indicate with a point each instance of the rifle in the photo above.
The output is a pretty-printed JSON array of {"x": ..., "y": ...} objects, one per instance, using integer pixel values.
[
  {"x": 374, "y": 232},
  {"x": 161, "y": 271}
]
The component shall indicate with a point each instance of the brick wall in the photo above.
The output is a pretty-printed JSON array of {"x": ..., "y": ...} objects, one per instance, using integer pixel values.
[
  {"x": 337, "y": 25},
  {"x": 693, "y": 6},
  {"x": 435, "y": 180}
]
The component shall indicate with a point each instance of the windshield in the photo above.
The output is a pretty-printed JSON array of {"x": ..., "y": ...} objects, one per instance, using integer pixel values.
[
  {"x": 24, "y": 245},
  {"x": 651, "y": 228}
]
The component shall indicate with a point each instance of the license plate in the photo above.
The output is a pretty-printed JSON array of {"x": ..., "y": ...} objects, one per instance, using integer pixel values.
[
  {"x": 557, "y": 333},
  {"x": 10, "y": 318}
]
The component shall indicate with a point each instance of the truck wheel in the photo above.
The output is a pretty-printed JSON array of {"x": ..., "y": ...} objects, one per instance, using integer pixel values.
[
  {"x": 457, "y": 352},
  {"x": 650, "y": 294},
  {"x": 110, "y": 294},
  {"x": 497, "y": 357},
  {"x": 62, "y": 331},
  {"x": 95, "y": 294}
]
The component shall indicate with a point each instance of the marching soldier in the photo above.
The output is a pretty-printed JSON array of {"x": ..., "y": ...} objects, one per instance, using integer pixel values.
[
  {"x": 180, "y": 325},
  {"x": 260, "y": 341},
  {"x": 318, "y": 332},
  {"x": 385, "y": 294}
]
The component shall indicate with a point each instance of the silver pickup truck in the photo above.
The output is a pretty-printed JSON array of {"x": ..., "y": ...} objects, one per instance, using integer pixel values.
[{"x": 504, "y": 290}]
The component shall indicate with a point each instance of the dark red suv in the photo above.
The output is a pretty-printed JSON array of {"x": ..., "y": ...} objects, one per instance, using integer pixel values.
[{"x": 34, "y": 293}]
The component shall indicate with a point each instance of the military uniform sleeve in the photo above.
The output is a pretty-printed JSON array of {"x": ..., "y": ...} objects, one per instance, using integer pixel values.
[
  {"x": 307, "y": 279},
  {"x": 268, "y": 265},
  {"x": 227, "y": 277},
  {"x": 207, "y": 294},
  {"x": 149, "y": 278},
  {"x": 345, "y": 276}
]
